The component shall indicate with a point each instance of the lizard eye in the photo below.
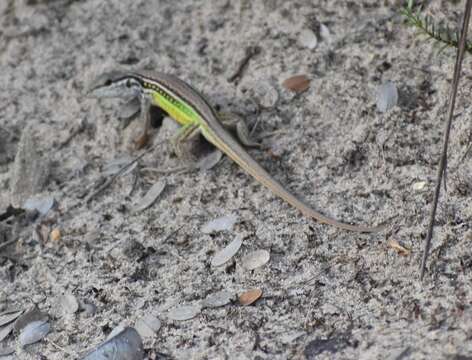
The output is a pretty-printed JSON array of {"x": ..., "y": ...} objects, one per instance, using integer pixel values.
[
  {"x": 128, "y": 83},
  {"x": 108, "y": 82}
]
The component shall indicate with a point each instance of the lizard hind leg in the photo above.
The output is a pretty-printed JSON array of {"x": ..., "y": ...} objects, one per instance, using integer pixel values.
[{"x": 236, "y": 124}]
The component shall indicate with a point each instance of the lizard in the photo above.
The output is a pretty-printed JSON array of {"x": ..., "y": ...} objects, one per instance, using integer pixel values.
[{"x": 191, "y": 110}]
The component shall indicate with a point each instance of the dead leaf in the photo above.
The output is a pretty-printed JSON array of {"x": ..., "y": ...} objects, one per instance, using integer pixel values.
[
  {"x": 401, "y": 250},
  {"x": 150, "y": 197},
  {"x": 297, "y": 83},
  {"x": 250, "y": 296}
]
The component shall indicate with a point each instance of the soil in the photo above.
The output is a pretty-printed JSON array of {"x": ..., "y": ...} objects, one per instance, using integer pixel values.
[{"x": 326, "y": 293}]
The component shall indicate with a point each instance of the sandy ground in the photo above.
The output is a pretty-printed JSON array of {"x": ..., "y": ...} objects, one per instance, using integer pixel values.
[{"x": 327, "y": 293}]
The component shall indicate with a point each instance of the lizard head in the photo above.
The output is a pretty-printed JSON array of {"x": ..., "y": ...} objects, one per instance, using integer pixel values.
[{"x": 115, "y": 84}]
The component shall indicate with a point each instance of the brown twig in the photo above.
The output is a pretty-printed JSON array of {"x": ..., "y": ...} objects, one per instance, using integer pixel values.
[
  {"x": 73, "y": 134},
  {"x": 250, "y": 52},
  {"x": 443, "y": 161},
  {"x": 7, "y": 243},
  {"x": 121, "y": 171}
]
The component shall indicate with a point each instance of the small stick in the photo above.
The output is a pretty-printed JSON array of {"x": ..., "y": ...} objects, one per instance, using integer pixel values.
[
  {"x": 6, "y": 243},
  {"x": 121, "y": 171},
  {"x": 73, "y": 134},
  {"x": 250, "y": 52},
  {"x": 443, "y": 161}
]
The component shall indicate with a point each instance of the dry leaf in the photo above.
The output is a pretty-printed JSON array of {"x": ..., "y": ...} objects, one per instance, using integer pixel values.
[
  {"x": 394, "y": 244},
  {"x": 250, "y": 296},
  {"x": 297, "y": 83},
  {"x": 150, "y": 197}
]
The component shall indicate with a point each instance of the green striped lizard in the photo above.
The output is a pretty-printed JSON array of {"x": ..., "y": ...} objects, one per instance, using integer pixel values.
[{"x": 191, "y": 110}]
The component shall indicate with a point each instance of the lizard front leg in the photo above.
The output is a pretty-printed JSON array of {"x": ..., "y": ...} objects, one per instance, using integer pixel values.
[
  {"x": 185, "y": 133},
  {"x": 143, "y": 139}
]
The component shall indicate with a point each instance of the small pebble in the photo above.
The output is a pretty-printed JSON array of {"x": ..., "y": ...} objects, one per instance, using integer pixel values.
[
  {"x": 420, "y": 185},
  {"x": 55, "y": 234}
]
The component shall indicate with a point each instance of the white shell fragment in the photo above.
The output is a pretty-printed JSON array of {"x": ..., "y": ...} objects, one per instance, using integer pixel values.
[
  {"x": 220, "y": 224},
  {"x": 33, "y": 332},
  {"x": 387, "y": 96},
  {"x": 210, "y": 161},
  {"x": 255, "y": 259},
  {"x": 220, "y": 298},
  {"x": 69, "y": 303},
  {"x": 150, "y": 197},
  {"x": 308, "y": 39},
  {"x": 147, "y": 326},
  {"x": 42, "y": 205},
  {"x": 228, "y": 252},
  {"x": 185, "y": 312}
]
